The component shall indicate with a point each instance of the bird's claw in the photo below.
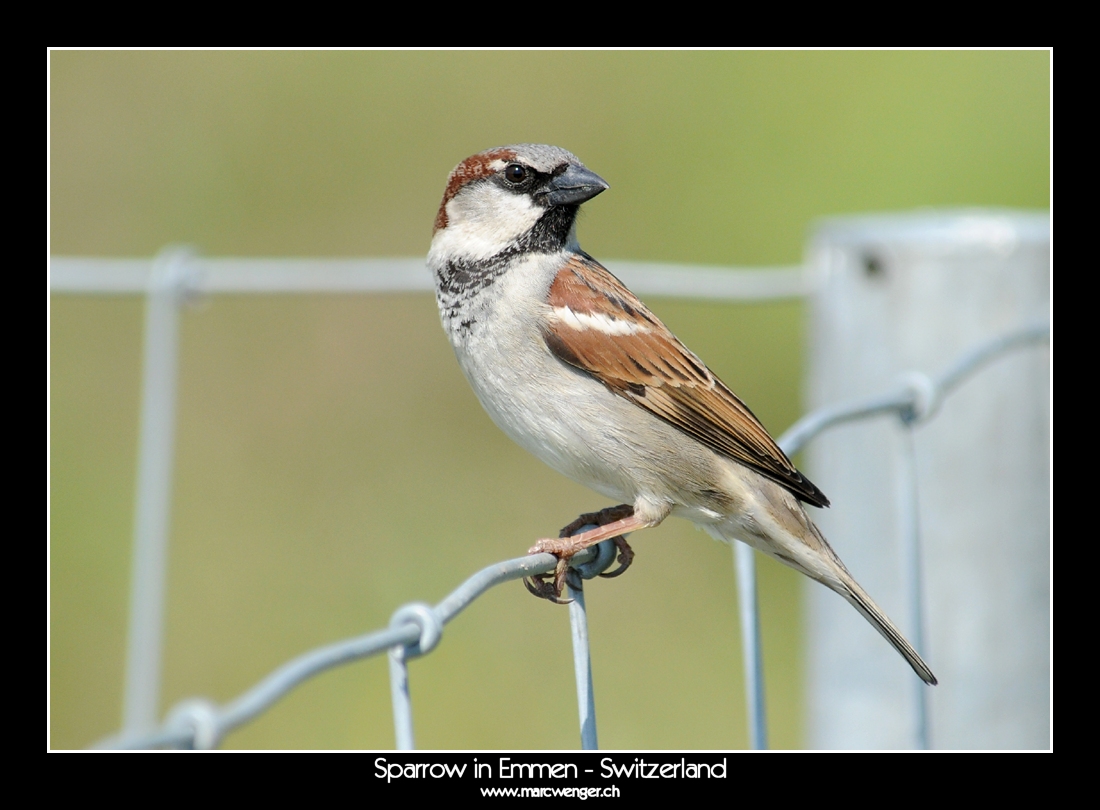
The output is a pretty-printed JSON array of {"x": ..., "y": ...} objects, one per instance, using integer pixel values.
[
  {"x": 548, "y": 587},
  {"x": 625, "y": 558}
]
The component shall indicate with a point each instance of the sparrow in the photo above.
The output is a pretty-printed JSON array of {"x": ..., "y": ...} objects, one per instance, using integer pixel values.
[{"x": 576, "y": 369}]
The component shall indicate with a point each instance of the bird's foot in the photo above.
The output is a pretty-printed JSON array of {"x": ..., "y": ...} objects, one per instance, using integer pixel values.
[
  {"x": 612, "y": 522},
  {"x": 602, "y": 518},
  {"x": 550, "y": 587}
]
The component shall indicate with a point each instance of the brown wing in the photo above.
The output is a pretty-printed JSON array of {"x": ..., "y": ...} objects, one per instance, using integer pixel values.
[{"x": 600, "y": 327}]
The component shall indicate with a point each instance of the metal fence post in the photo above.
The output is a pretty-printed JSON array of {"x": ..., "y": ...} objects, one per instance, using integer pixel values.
[{"x": 901, "y": 292}]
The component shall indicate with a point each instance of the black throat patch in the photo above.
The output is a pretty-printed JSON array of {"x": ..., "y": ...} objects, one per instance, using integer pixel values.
[{"x": 462, "y": 279}]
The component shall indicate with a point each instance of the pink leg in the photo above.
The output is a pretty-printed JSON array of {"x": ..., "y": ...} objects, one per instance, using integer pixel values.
[
  {"x": 615, "y": 520},
  {"x": 602, "y": 518},
  {"x": 579, "y": 542}
]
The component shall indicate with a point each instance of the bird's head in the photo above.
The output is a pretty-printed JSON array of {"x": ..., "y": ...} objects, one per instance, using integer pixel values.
[{"x": 520, "y": 197}]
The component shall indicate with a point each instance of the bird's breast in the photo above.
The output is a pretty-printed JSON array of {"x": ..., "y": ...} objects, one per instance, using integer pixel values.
[{"x": 562, "y": 415}]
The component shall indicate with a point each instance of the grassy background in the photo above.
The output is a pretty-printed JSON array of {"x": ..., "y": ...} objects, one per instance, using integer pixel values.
[{"x": 332, "y": 462}]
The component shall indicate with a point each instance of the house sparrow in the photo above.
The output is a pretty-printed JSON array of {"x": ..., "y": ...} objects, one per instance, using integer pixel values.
[{"x": 571, "y": 365}]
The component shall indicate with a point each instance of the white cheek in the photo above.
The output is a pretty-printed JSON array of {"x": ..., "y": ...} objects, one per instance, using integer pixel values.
[
  {"x": 598, "y": 321},
  {"x": 484, "y": 220}
]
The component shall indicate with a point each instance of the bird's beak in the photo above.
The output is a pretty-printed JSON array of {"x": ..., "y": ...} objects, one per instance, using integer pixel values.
[{"x": 574, "y": 186}]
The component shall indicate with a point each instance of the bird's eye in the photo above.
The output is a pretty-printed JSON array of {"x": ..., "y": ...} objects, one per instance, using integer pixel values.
[{"x": 515, "y": 173}]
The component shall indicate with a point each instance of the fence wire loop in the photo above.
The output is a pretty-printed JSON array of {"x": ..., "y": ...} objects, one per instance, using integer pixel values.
[
  {"x": 605, "y": 555},
  {"x": 426, "y": 620},
  {"x": 177, "y": 270},
  {"x": 925, "y": 397},
  {"x": 199, "y": 718}
]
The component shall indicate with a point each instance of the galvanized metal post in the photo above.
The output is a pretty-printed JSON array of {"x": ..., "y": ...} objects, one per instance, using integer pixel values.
[
  {"x": 912, "y": 292},
  {"x": 152, "y": 511}
]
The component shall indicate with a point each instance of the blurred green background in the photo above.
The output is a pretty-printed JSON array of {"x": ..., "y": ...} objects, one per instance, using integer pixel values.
[{"x": 332, "y": 463}]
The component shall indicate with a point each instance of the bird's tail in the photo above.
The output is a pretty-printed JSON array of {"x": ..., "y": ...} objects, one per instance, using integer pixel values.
[
  {"x": 841, "y": 581},
  {"x": 814, "y": 557},
  {"x": 881, "y": 622},
  {"x": 830, "y": 571}
]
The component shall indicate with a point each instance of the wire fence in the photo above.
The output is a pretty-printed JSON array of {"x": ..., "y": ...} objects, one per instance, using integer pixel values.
[{"x": 416, "y": 628}]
